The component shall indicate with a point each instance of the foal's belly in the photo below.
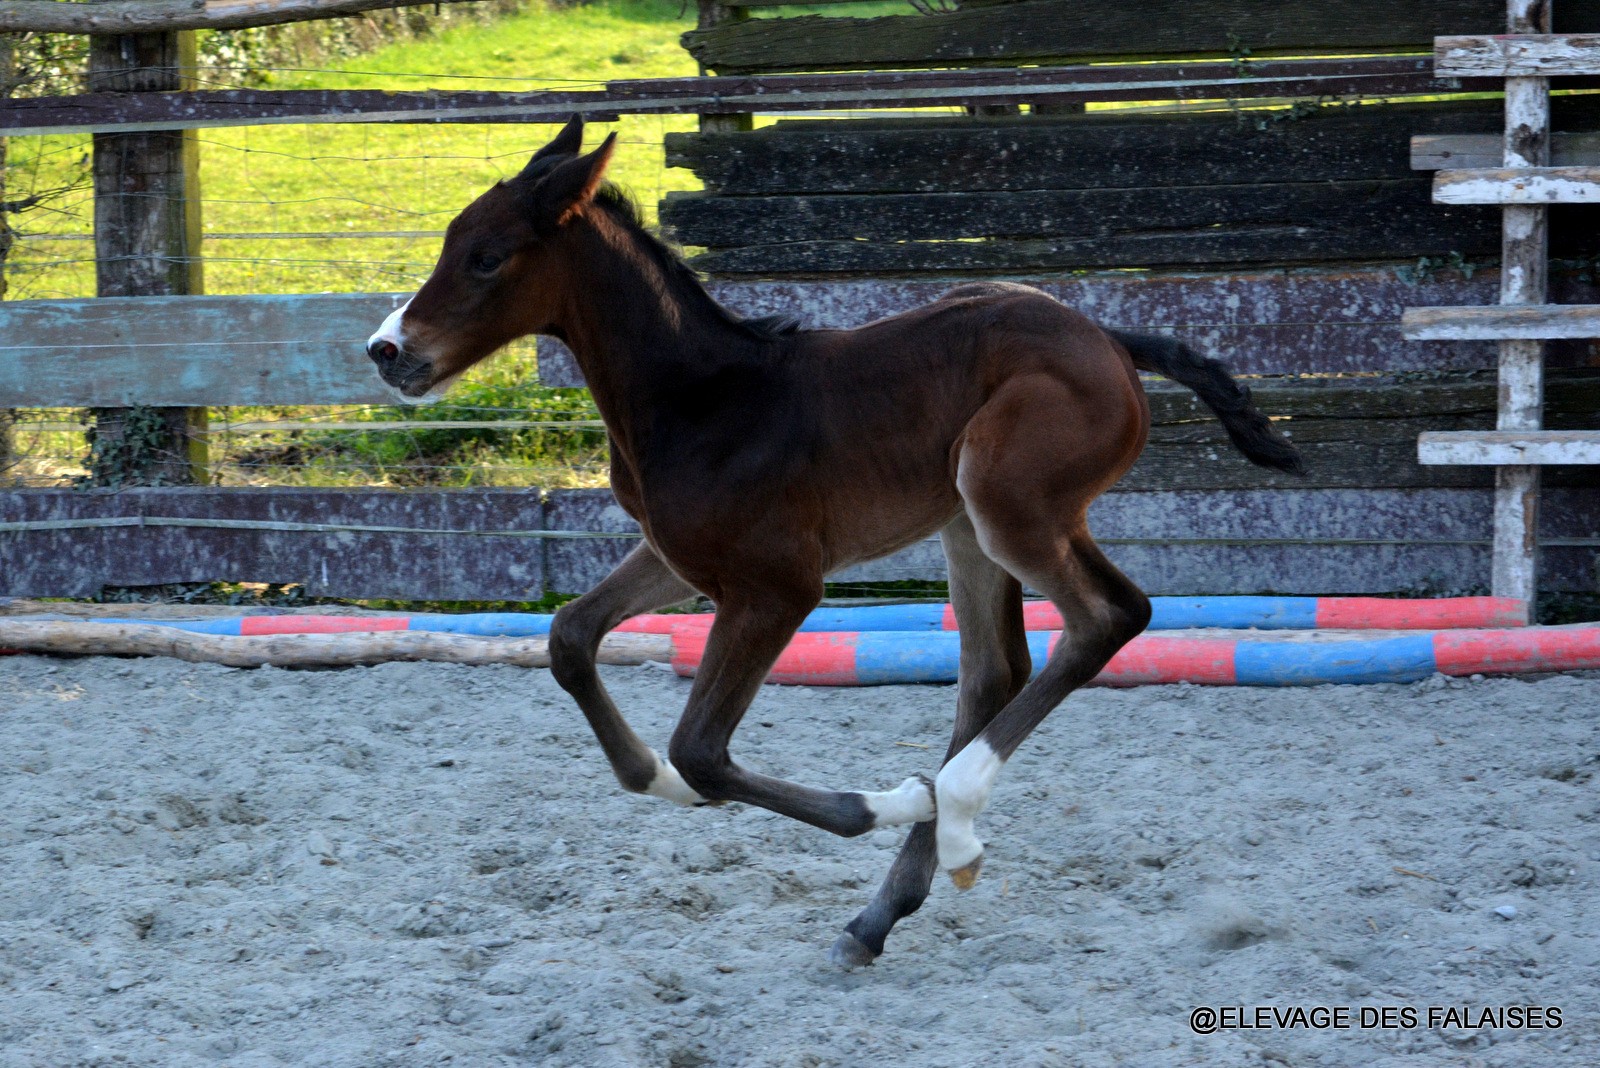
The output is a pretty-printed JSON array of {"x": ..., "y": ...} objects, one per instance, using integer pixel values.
[{"x": 867, "y": 532}]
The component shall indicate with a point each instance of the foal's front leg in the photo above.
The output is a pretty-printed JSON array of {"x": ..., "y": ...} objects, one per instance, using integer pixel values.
[
  {"x": 641, "y": 582},
  {"x": 744, "y": 643}
]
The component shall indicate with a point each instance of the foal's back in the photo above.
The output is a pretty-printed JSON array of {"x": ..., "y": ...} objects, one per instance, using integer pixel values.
[{"x": 914, "y": 380}]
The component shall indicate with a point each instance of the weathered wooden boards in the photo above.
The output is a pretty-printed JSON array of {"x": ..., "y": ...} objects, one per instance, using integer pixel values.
[
  {"x": 1092, "y": 151},
  {"x": 916, "y": 195},
  {"x": 308, "y": 650},
  {"x": 127, "y": 112},
  {"x": 1041, "y": 30},
  {"x": 1280, "y": 322},
  {"x": 1435, "y": 152},
  {"x": 1372, "y": 76},
  {"x": 1502, "y": 322},
  {"x": 1509, "y": 447},
  {"x": 76, "y": 561},
  {"x": 1514, "y": 55},
  {"x": 146, "y": 16},
  {"x": 1524, "y": 184},
  {"x": 1518, "y": 185},
  {"x": 1048, "y": 230},
  {"x": 1186, "y": 541},
  {"x": 191, "y": 350}
]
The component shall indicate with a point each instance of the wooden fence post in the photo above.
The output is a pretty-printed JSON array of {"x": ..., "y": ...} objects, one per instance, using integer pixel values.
[
  {"x": 147, "y": 243},
  {"x": 1524, "y": 272},
  {"x": 713, "y": 13},
  {"x": 8, "y": 59}
]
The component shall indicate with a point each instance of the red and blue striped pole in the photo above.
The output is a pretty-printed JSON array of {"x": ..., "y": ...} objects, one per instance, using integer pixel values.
[
  {"x": 1169, "y": 613},
  {"x": 870, "y": 658}
]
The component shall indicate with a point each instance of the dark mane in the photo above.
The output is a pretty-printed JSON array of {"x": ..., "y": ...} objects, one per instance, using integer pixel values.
[{"x": 686, "y": 285}]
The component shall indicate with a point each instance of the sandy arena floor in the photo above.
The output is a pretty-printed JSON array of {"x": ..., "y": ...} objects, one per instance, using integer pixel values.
[{"x": 421, "y": 864}]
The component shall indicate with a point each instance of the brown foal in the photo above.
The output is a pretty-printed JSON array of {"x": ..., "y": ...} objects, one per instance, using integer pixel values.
[{"x": 758, "y": 458}]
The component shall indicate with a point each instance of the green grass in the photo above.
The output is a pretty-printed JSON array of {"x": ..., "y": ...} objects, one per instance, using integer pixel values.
[
  {"x": 361, "y": 177},
  {"x": 354, "y": 178}
]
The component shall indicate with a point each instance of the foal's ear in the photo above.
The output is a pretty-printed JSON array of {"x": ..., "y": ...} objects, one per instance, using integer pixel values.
[
  {"x": 572, "y": 184},
  {"x": 566, "y": 143}
]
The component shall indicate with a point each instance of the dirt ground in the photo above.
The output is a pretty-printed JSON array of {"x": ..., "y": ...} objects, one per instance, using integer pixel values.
[{"x": 425, "y": 864}]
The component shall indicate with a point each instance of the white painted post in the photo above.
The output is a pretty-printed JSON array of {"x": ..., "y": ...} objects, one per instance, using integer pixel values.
[{"x": 1524, "y": 262}]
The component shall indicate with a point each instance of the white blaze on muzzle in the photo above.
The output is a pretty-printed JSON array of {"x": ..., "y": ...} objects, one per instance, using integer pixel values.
[{"x": 390, "y": 330}]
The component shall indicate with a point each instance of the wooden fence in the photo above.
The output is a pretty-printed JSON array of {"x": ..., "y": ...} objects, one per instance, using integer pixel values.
[{"x": 1287, "y": 241}]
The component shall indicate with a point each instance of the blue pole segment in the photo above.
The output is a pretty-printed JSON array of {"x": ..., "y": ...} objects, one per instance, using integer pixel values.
[
  {"x": 1405, "y": 659},
  {"x": 877, "y": 617},
  {"x": 1233, "y": 613},
  {"x": 486, "y": 624}
]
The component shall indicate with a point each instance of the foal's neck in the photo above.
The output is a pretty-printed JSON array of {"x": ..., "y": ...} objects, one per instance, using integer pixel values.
[{"x": 635, "y": 326}]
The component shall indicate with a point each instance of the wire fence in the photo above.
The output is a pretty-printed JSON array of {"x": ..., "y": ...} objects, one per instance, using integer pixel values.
[
  {"x": 340, "y": 208},
  {"x": 312, "y": 209}
]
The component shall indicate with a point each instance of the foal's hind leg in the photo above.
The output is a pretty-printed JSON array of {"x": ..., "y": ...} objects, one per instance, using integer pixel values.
[
  {"x": 641, "y": 582},
  {"x": 1102, "y": 611},
  {"x": 994, "y": 666},
  {"x": 1030, "y": 464},
  {"x": 751, "y": 629}
]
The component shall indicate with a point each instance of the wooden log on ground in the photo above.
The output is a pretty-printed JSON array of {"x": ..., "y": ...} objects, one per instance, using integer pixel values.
[
  {"x": 86, "y": 610},
  {"x": 308, "y": 650}
]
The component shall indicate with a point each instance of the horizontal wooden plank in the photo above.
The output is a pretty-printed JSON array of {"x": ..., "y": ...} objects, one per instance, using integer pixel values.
[
  {"x": 1351, "y": 541},
  {"x": 158, "y": 16},
  {"x": 1242, "y": 246},
  {"x": 286, "y": 426},
  {"x": 1371, "y": 76},
  {"x": 1502, "y": 322},
  {"x": 1277, "y": 322},
  {"x": 1091, "y": 151},
  {"x": 1042, "y": 30},
  {"x": 1339, "y": 541},
  {"x": 1276, "y": 222},
  {"x": 1509, "y": 447},
  {"x": 334, "y": 563},
  {"x": 192, "y": 351},
  {"x": 1518, "y": 185},
  {"x": 1353, "y": 434},
  {"x": 1436, "y": 152},
  {"x": 1517, "y": 55}
]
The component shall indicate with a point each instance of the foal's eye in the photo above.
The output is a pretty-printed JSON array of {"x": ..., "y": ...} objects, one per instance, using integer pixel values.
[{"x": 486, "y": 262}]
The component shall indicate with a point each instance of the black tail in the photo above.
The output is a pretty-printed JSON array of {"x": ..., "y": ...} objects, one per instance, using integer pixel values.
[{"x": 1251, "y": 432}]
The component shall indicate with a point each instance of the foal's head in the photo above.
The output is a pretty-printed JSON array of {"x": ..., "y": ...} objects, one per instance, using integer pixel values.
[{"x": 500, "y": 274}]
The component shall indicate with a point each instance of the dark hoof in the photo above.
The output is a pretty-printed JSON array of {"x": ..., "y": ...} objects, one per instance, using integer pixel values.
[{"x": 849, "y": 954}]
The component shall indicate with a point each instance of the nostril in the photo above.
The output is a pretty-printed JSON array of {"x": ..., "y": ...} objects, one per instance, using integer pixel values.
[{"x": 382, "y": 350}]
